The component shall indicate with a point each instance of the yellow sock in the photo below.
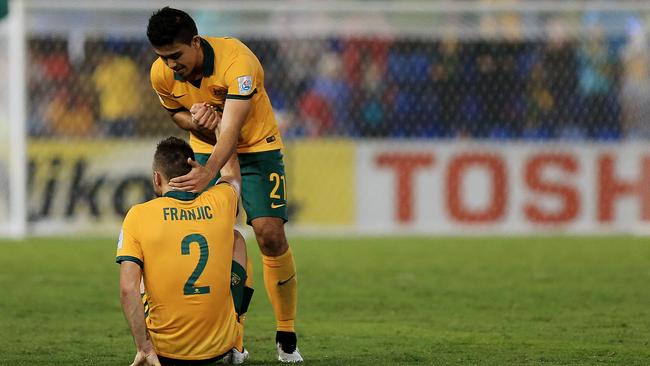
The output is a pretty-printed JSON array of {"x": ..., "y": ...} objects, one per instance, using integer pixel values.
[
  {"x": 249, "y": 272},
  {"x": 239, "y": 341},
  {"x": 282, "y": 287}
]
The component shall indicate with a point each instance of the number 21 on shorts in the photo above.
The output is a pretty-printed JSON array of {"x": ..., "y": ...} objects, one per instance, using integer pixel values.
[{"x": 278, "y": 180}]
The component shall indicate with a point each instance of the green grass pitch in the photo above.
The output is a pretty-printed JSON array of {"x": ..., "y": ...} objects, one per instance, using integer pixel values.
[{"x": 373, "y": 301}]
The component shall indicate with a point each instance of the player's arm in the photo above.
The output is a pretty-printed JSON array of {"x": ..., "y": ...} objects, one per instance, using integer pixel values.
[
  {"x": 182, "y": 118},
  {"x": 231, "y": 174},
  {"x": 235, "y": 112},
  {"x": 133, "y": 309},
  {"x": 179, "y": 114},
  {"x": 186, "y": 120}
]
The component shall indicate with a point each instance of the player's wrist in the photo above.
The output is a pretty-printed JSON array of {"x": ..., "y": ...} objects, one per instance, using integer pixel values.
[
  {"x": 146, "y": 347},
  {"x": 210, "y": 165},
  {"x": 211, "y": 170}
]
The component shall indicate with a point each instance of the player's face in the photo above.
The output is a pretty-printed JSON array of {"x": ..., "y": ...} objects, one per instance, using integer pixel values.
[{"x": 180, "y": 57}]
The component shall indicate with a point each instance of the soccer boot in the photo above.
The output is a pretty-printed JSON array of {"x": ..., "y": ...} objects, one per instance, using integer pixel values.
[
  {"x": 234, "y": 357},
  {"x": 286, "y": 344}
]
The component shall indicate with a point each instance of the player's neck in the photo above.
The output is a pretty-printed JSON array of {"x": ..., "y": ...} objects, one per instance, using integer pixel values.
[
  {"x": 197, "y": 73},
  {"x": 164, "y": 188}
]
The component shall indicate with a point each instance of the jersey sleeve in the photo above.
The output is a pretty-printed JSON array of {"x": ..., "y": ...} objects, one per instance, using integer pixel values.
[
  {"x": 128, "y": 245},
  {"x": 162, "y": 88},
  {"x": 241, "y": 77}
]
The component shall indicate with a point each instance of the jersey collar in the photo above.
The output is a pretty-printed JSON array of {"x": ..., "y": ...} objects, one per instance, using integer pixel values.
[
  {"x": 180, "y": 195},
  {"x": 208, "y": 60}
]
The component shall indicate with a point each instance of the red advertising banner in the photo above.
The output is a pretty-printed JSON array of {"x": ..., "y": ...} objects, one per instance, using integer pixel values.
[{"x": 455, "y": 188}]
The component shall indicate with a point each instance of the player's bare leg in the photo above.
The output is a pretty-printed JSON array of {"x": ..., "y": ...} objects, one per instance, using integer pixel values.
[{"x": 280, "y": 282}]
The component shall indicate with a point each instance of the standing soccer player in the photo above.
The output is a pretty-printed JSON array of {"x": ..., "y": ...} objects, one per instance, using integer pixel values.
[
  {"x": 184, "y": 247},
  {"x": 207, "y": 81}
]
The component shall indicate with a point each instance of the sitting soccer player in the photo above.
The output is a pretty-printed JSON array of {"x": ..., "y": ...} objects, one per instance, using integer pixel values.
[{"x": 185, "y": 248}]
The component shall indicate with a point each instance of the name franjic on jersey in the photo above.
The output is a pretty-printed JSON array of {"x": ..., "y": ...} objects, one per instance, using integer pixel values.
[{"x": 191, "y": 214}]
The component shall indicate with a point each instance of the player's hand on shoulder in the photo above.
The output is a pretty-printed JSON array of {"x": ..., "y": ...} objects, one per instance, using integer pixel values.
[{"x": 205, "y": 116}]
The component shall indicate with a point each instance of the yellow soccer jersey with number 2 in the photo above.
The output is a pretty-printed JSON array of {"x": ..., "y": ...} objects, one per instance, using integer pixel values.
[
  {"x": 184, "y": 244},
  {"x": 230, "y": 70}
]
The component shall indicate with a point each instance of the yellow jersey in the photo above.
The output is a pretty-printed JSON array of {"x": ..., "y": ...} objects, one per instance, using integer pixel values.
[
  {"x": 230, "y": 70},
  {"x": 184, "y": 244}
]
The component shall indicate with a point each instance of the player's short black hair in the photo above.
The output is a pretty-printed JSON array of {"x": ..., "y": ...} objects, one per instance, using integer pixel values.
[
  {"x": 170, "y": 158},
  {"x": 169, "y": 25}
]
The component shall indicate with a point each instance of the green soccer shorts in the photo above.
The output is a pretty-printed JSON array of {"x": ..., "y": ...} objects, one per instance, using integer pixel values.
[{"x": 264, "y": 190}]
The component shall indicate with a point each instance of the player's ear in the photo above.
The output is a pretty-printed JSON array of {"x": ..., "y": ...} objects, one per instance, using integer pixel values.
[
  {"x": 196, "y": 41},
  {"x": 157, "y": 179}
]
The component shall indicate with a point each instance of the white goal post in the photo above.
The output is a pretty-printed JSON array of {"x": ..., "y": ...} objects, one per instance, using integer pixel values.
[{"x": 14, "y": 223}]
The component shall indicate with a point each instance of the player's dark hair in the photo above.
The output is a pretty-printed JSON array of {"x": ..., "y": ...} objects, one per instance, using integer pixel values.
[
  {"x": 171, "y": 156},
  {"x": 169, "y": 25}
]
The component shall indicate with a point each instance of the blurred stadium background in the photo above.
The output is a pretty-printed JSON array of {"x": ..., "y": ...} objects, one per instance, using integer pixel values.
[{"x": 435, "y": 117}]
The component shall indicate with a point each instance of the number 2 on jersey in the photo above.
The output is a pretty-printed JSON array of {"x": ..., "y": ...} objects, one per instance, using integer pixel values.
[{"x": 189, "y": 288}]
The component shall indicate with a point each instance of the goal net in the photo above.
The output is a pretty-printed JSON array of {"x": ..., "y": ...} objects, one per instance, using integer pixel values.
[{"x": 429, "y": 117}]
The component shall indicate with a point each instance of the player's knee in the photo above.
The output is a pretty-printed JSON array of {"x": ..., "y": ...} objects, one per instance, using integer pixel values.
[
  {"x": 239, "y": 239},
  {"x": 271, "y": 239}
]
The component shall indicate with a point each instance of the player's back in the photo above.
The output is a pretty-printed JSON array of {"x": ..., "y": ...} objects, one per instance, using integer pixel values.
[{"x": 187, "y": 244}]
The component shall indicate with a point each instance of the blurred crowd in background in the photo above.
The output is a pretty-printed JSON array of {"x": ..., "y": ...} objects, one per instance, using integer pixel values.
[{"x": 597, "y": 88}]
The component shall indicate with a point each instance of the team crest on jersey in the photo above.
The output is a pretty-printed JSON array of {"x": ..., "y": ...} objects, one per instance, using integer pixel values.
[{"x": 245, "y": 84}]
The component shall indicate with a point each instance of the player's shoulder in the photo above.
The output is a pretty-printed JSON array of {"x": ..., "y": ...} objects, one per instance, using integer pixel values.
[
  {"x": 132, "y": 213},
  {"x": 221, "y": 186},
  {"x": 227, "y": 46},
  {"x": 145, "y": 207},
  {"x": 222, "y": 41},
  {"x": 160, "y": 72},
  {"x": 222, "y": 189}
]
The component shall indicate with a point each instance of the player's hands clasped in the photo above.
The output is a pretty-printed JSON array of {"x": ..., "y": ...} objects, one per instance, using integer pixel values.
[
  {"x": 205, "y": 116},
  {"x": 195, "y": 181}
]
